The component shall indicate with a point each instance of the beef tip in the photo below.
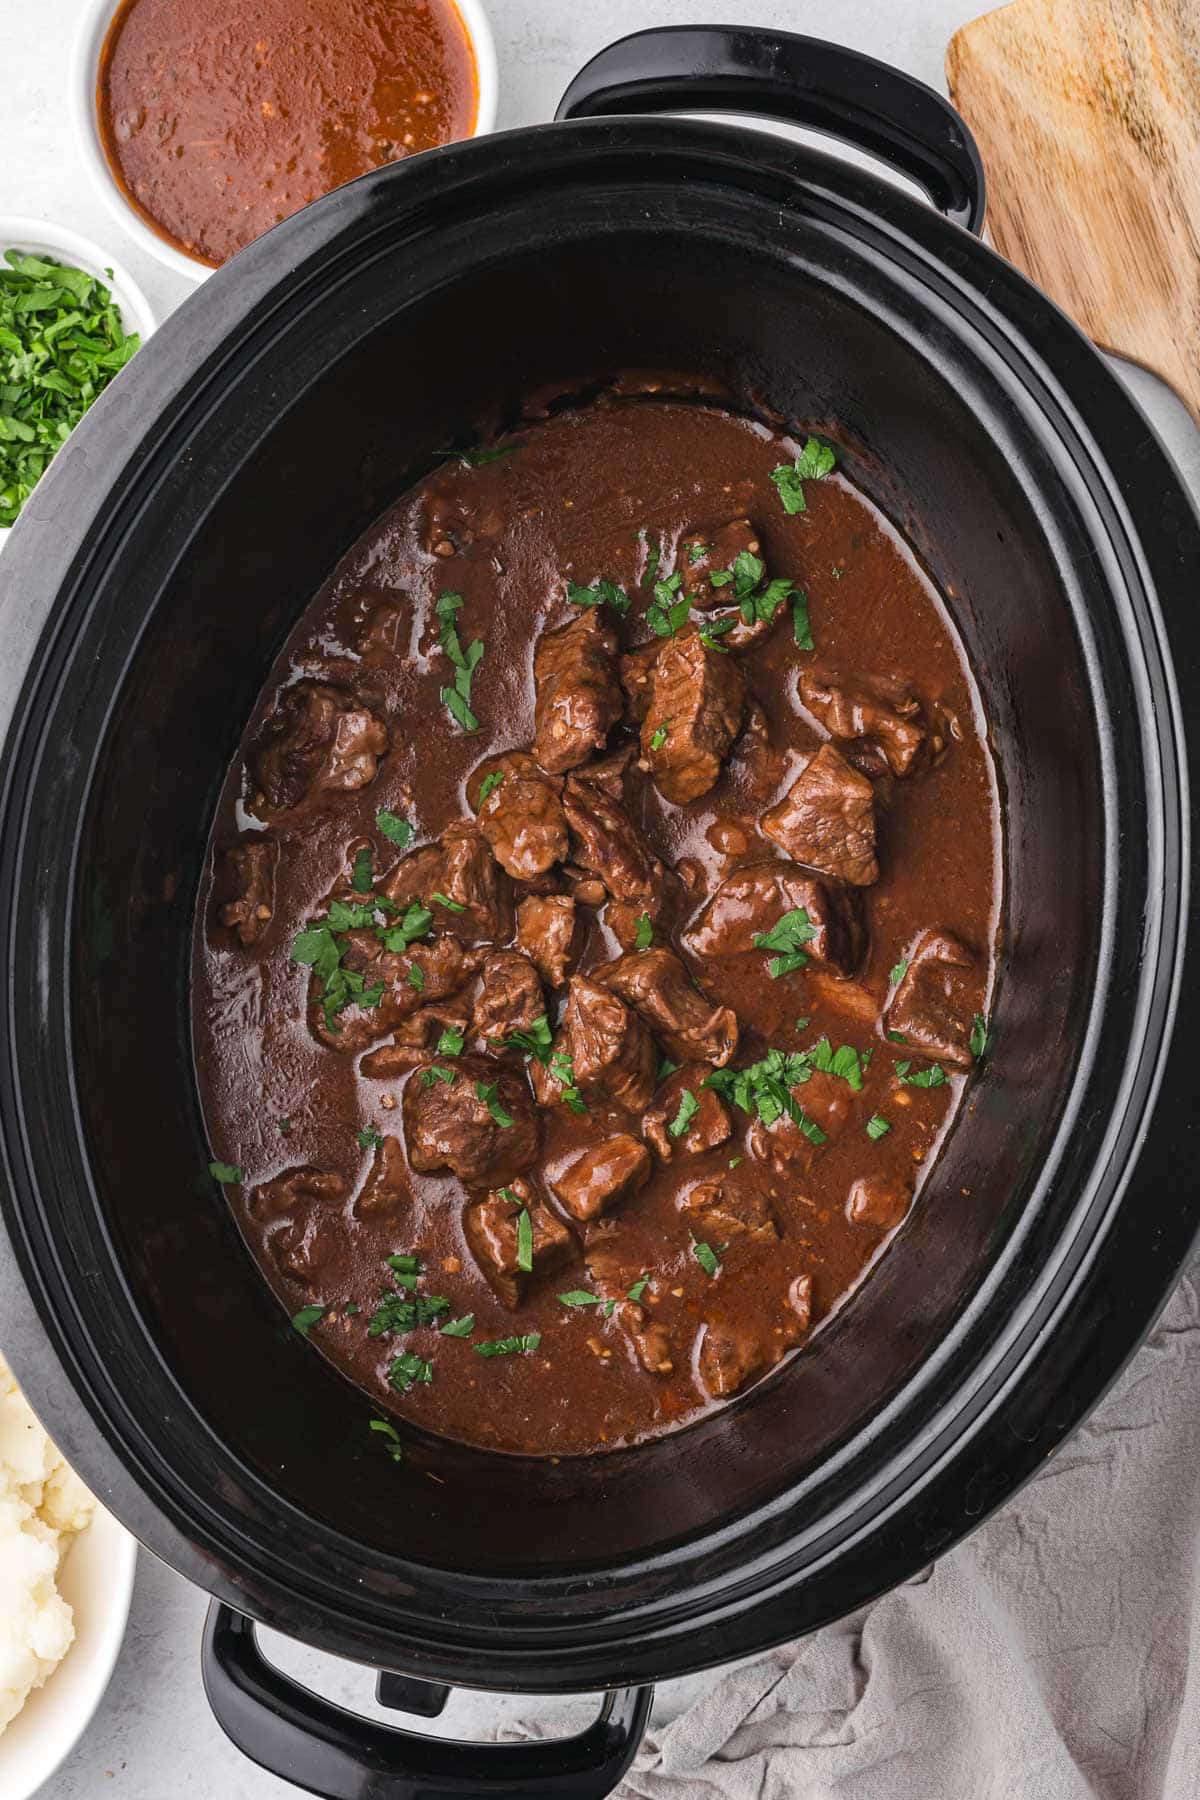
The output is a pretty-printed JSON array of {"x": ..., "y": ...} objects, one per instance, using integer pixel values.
[
  {"x": 637, "y": 668},
  {"x": 625, "y": 918},
  {"x": 611, "y": 1051},
  {"x": 610, "y": 772},
  {"x": 320, "y": 739},
  {"x": 888, "y": 723},
  {"x": 609, "y": 845},
  {"x": 445, "y": 967},
  {"x": 604, "y": 1176},
  {"x": 757, "y": 764},
  {"x": 308, "y": 1229},
  {"x": 827, "y": 820},
  {"x": 461, "y": 866},
  {"x": 702, "y": 1129},
  {"x": 697, "y": 703},
  {"x": 651, "y": 1339},
  {"x": 386, "y": 1191},
  {"x": 522, "y": 818},
  {"x": 686, "y": 1022},
  {"x": 879, "y": 1201},
  {"x": 423, "y": 1029},
  {"x": 720, "y": 1210},
  {"x": 703, "y": 554},
  {"x": 752, "y": 900},
  {"x": 451, "y": 1124},
  {"x": 732, "y": 1351},
  {"x": 577, "y": 691},
  {"x": 296, "y": 1189},
  {"x": 510, "y": 997},
  {"x": 305, "y": 1248},
  {"x": 934, "y": 1007},
  {"x": 247, "y": 872},
  {"x": 491, "y": 1228},
  {"x": 378, "y": 635},
  {"x": 550, "y": 933},
  {"x": 609, "y": 1254}
]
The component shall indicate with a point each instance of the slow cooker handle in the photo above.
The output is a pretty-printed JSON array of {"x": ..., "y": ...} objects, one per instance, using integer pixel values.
[
  {"x": 749, "y": 69},
  {"x": 327, "y": 1751}
]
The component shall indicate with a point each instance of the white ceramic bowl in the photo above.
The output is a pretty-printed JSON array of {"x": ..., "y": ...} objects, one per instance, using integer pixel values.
[
  {"x": 97, "y": 1579},
  {"x": 95, "y": 16},
  {"x": 37, "y": 237}
]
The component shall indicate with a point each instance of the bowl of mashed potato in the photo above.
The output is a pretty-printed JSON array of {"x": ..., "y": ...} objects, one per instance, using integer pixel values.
[{"x": 66, "y": 1576}]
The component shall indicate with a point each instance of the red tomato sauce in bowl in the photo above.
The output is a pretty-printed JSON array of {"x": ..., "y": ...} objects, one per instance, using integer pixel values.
[{"x": 220, "y": 119}]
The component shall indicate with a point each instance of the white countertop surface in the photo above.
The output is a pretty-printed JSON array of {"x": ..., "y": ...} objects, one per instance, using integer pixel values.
[{"x": 154, "y": 1736}]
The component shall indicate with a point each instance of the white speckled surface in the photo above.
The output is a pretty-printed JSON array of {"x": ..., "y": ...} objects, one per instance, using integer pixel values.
[{"x": 154, "y": 1737}]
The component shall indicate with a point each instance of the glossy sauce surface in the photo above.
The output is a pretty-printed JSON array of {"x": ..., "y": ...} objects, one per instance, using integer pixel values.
[
  {"x": 799, "y": 1215},
  {"x": 222, "y": 119}
]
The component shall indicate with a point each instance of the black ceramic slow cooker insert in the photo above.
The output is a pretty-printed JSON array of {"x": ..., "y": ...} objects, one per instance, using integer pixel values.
[{"x": 164, "y": 558}]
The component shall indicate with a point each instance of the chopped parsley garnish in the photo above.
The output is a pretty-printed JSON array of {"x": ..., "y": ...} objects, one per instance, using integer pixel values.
[
  {"x": 689, "y": 1106},
  {"x": 708, "y": 1258},
  {"x": 579, "y": 1297},
  {"x": 226, "y": 1173},
  {"x": 803, "y": 1024},
  {"x": 524, "y": 1242},
  {"x": 638, "y": 1289},
  {"x": 393, "y": 1445},
  {"x": 714, "y": 629},
  {"x": 489, "y": 784},
  {"x": 814, "y": 462},
  {"x": 447, "y": 1077},
  {"x": 396, "y": 1313},
  {"x": 603, "y": 591},
  {"x": 836, "y": 571},
  {"x": 285, "y": 1126},
  {"x": 321, "y": 948},
  {"x": 735, "y": 1161},
  {"x": 933, "y": 1076},
  {"x": 457, "y": 699},
  {"x": 666, "y": 614},
  {"x": 877, "y": 1127},
  {"x": 406, "y": 1270},
  {"x": 659, "y": 737},
  {"x": 487, "y": 1091},
  {"x": 979, "y": 1036},
  {"x": 398, "y": 831},
  {"x": 307, "y": 1317},
  {"x": 451, "y": 1042},
  {"x": 757, "y": 603},
  {"x": 562, "y": 1068},
  {"x": 534, "y": 1042},
  {"x": 61, "y": 343},
  {"x": 414, "y": 923},
  {"x": 510, "y": 1346},
  {"x": 765, "y": 1089},
  {"x": 801, "y": 629},
  {"x": 453, "y": 905},
  {"x": 510, "y": 1194},
  {"x": 643, "y": 937},
  {"x": 478, "y": 459},
  {"x": 698, "y": 552},
  {"x": 459, "y": 1327},
  {"x": 407, "y": 1370},
  {"x": 666, "y": 1067},
  {"x": 793, "y": 930},
  {"x": 416, "y": 977},
  {"x": 351, "y": 1308},
  {"x": 363, "y": 879},
  {"x": 369, "y": 1138},
  {"x": 846, "y": 1062},
  {"x": 653, "y": 558},
  {"x": 898, "y": 971},
  {"x": 897, "y": 1037}
]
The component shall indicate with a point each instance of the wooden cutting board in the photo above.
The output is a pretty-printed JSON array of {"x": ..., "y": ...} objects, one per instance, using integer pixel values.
[{"x": 1087, "y": 114}]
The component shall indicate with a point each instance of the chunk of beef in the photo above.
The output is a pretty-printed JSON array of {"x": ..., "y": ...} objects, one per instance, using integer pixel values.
[
  {"x": 307, "y": 1229},
  {"x": 246, "y": 872},
  {"x": 637, "y": 669},
  {"x": 611, "y": 772},
  {"x": 510, "y": 998},
  {"x": 733, "y": 1351},
  {"x": 651, "y": 1339},
  {"x": 697, "y": 704},
  {"x": 883, "y": 720},
  {"x": 551, "y": 934},
  {"x": 934, "y": 1007},
  {"x": 703, "y": 554},
  {"x": 305, "y": 1248},
  {"x": 460, "y": 866},
  {"x": 577, "y": 694},
  {"x": 757, "y": 765},
  {"x": 522, "y": 818},
  {"x": 379, "y": 633},
  {"x": 879, "y": 1201},
  {"x": 604, "y": 1176},
  {"x": 686, "y": 1022},
  {"x": 424, "y": 1029},
  {"x": 721, "y": 1210},
  {"x": 610, "y": 1255},
  {"x": 492, "y": 1227},
  {"x": 827, "y": 820},
  {"x": 700, "y": 1129},
  {"x": 319, "y": 739},
  {"x": 609, "y": 845},
  {"x": 611, "y": 1051},
  {"x": 443, "y": 969},
  {"x": 386, "y": 1192},
  {"x": 482, "y": 1124},
  {"x": 751, "y": 901},
  {"x": 626, "y": 919},
  {"x": 296, "y": 1189}
]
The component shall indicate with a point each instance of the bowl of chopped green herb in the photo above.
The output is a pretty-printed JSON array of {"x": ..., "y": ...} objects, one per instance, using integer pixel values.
[{"x": 70, "y": 319}]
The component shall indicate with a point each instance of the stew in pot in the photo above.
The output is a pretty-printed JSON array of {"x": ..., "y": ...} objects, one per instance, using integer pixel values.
[{"x": 600, "y": 928}]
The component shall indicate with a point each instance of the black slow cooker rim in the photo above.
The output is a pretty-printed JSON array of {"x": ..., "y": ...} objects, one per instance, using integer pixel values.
[{"x": 1090, "y": 407}]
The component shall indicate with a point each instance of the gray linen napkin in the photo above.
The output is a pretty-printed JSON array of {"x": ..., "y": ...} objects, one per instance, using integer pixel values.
[{"x": 1053, "y": 1656}]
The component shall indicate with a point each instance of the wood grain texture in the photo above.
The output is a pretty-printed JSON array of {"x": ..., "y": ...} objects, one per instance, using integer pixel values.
[{"x": 1087, "y": 114}]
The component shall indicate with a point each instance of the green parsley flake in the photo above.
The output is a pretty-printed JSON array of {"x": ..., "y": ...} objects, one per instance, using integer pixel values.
[
  {"x": 846, "y": 1062},
  {"x": 393, "y": 1445},
  {"x": 395, "y": 1313},
  {"x": 414, "y": 924},
  {"x": 308, "y": 1316},
  {"x": 643, "y": 937},
  {"x": 793, "y": 930},
  {"x": 406, "y": 1270},
  {"x": 801, "y": 629},
  {"x": 667, "y": 614},
  {"x": 489, "y": 784},
  {"x": 416, "y": 977},
  {"x": 604, "y": 591},
  {"x": 659, "y": 737},
  {"x": 979, "y": 1036},
  {"x": 638, "y": 1289},
  {"x": 708, "y": 1258},
  {"x": 814, "y": 462},
  {"x": 451, "y": 1042},
  {"x": 457, "y": 698},
  {"x": 877, "y": 1127},
  {"x": 445, "y": 900},
  {"x": 479, "y": 459},
  {"x": 363, "y": 879},
  {"x": 510, "y": 1346},
  {"x": 459, "y": 1328},
  {"x": 228, "y": 1174},
  {"x": 398, "y": 831},
  {"x": 765, "y": 1088},
  {"x": 285, "y": 1126},
  {"x": 524, "y": 1242},
  {"x": 898, "y": 971},
  {"x": 577, "y": 1297},
  {"x": 534, "y": 1042},
  {"x": 666, "y": 1067},
  {"x": 932, "y": 1077},
  {"x": 689, "y": 1106},
  {"x": 715, "y": 629},
  {"x": 409, "y": 1369},
  {"x": 369, "y": 1138},
  {"x": 653, "y": 558},
  {"x": 487, "y": 1091},
  {"x": 562, "y": 1068}
]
